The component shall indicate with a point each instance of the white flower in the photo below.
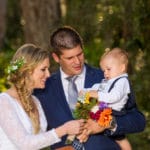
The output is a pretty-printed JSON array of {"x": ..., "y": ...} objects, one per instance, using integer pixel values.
[
  {"x": 81, "y": 97},
  {"x": 15, "y": 65},
  {"x": 14, "y": 68},
  {"x": 95, "y": 109}
]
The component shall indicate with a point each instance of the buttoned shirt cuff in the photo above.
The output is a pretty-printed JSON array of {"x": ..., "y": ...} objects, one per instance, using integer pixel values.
[
  {"x": 113, "y": 130},
  {"x": 113, "y": 126}
]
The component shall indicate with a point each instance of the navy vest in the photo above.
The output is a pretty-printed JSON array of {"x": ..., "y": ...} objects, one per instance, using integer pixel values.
[{"x": 130, "y": 102}]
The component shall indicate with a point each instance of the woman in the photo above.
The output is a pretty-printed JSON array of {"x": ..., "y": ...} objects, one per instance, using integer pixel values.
[{"x": 22, "y": 121}]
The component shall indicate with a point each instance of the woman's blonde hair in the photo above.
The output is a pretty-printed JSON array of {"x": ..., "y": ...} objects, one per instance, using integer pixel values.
[{"x": 30, "y": 57}]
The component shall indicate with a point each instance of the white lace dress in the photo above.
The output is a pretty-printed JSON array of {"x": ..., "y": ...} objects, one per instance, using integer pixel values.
[{"x": 16, "y": 132}]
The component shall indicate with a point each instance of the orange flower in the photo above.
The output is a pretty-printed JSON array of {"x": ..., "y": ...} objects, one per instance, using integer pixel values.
[{"x": 105, "y": 117}]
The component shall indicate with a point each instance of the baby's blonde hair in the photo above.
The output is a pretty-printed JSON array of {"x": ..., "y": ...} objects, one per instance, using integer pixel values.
[{"x": 119, "y": 54}]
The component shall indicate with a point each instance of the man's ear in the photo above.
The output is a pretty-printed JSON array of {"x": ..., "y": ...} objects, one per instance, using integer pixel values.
[{"x": 55, "y": 57}]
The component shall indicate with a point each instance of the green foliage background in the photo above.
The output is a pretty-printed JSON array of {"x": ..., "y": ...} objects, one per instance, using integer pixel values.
[{"x": 102, "y": 24}]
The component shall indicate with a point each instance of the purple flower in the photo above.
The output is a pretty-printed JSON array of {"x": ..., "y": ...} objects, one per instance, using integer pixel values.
[{"x": 103, "y": 105}]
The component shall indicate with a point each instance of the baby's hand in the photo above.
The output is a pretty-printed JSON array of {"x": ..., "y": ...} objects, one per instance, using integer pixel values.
[
  {"x": 81, "y": 96},
  {"x": 93, "y": 93},
  {"x": 82, "y": 92}
]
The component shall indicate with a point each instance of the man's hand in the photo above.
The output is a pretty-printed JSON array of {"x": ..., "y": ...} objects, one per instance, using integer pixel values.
[
  {"x": 91, "y": 127},
  {"x": 83, "y": 137}
]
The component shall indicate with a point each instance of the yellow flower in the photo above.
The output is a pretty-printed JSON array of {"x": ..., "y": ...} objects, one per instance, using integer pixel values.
[{"x": 87, "y": 98}]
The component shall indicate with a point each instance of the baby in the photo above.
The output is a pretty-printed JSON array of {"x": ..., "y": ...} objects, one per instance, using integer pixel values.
[{"x": 115, "y": 88}]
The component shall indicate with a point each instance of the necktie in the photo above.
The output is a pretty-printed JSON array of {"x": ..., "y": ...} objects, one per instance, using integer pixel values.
[
  {"x": 72, "y": 92},
  {"x": 72, "y": 97}
]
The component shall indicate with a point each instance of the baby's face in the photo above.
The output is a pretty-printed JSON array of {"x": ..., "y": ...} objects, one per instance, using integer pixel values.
[{"x": 111, "y": 67}]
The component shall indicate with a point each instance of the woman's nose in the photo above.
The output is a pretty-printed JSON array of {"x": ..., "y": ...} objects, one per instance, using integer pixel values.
[{"x": 48, "y": 74}]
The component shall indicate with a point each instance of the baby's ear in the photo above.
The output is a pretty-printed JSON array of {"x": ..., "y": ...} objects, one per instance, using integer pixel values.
[{"x": 123, "y": 68}]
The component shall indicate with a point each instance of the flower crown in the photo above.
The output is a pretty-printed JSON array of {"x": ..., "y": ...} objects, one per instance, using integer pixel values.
[{"x": 15, "y": 65}]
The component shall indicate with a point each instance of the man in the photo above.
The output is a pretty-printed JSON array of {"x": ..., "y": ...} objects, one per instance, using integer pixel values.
[{"x": 68, "y": 52}]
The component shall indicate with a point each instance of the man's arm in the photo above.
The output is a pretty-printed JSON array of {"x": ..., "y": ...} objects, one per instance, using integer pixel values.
[{"x": 132, "y": 122}]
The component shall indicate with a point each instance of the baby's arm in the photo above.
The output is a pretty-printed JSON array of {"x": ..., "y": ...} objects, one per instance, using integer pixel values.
[{"x": 93, "y": 93}]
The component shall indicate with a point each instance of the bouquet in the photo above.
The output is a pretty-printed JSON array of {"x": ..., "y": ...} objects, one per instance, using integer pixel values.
[{"x": 90, "y": 108}]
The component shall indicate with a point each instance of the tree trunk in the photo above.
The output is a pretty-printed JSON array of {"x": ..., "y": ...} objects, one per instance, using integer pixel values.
[
  {"x": 2, "y": 21},
  {"x": 39, "y": 18}
]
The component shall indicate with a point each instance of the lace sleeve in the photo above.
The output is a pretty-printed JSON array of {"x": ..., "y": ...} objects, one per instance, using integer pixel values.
[{"x": 16, "y": 132}]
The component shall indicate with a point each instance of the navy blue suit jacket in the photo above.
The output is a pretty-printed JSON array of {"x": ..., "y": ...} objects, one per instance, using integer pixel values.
[{"x": 57, "y": 112}]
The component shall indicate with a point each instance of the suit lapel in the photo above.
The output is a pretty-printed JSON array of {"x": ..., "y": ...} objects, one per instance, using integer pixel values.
[
  {"x": 61, "y": 99},
  {"x": 89, "y": 78}
]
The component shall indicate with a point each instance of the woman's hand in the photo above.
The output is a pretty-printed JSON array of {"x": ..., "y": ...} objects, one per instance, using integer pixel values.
[{"x": 74, "y": 126}]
